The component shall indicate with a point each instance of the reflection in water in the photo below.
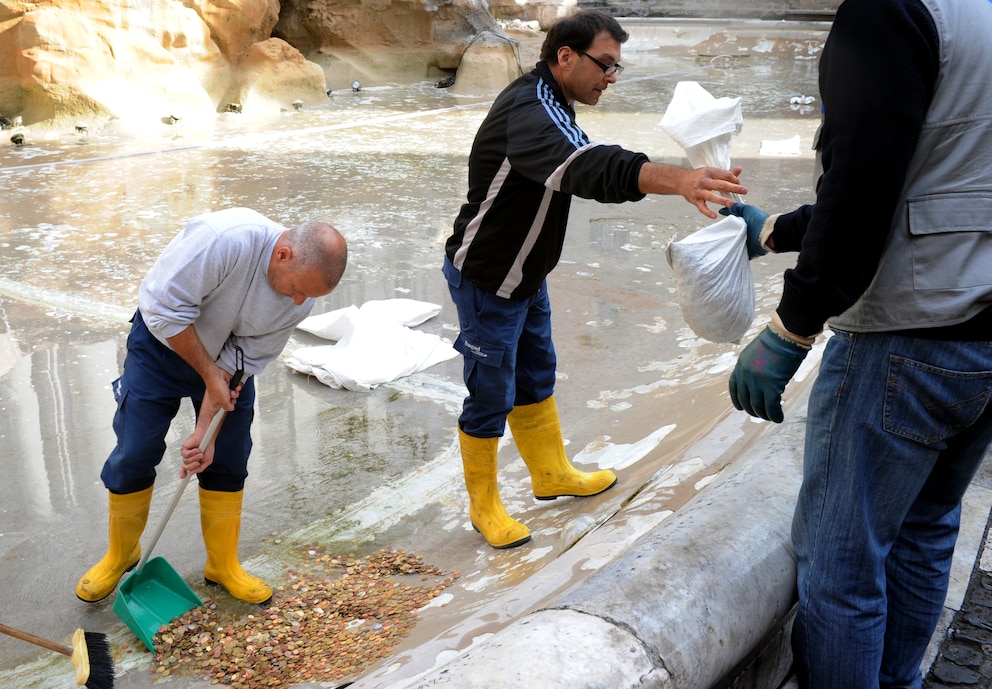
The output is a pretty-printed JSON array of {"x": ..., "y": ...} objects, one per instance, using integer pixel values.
[{"x": 55, "y": 426}]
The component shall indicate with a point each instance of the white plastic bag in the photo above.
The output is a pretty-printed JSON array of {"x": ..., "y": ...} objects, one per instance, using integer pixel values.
[
  {"x": 715, "y": 284},
  {"x": 702, "y": 125}
]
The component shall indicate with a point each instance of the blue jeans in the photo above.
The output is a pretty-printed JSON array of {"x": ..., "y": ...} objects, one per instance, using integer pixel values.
[
  {"x": 148, "y": 394},
  {"x": 897, "y": 428},
  {"x": 509, "y": 358}
]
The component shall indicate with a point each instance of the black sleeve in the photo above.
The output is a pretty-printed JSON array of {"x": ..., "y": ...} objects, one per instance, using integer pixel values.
[
  {"x": 877, "y": 76},
  {"x": 606, "y": 173},
  {"x": 790, "y": 229},
  {"x": 546, "y": 145}
]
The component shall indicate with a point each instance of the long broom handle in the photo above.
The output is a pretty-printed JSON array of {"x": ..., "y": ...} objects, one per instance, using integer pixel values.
[
  {"x": 207, "y": 438},
  {"x": 36, "y": 640}
]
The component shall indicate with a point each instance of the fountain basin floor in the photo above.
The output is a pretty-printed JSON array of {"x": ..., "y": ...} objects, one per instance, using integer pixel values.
[{"x": 355, "y": 472}]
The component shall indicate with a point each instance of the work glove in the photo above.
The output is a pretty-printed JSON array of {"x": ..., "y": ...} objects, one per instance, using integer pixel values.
[
  {"x": 763, "y": 369},
  {"x": 755, "y": 219}
]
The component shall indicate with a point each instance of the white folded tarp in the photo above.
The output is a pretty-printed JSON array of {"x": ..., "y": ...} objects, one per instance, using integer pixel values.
[
  {"x": 334, "y": 325},
  {"x": 374, "y": 344}
]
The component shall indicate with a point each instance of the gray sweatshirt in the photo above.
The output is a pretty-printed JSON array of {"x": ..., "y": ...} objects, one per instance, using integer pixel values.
[{"x": 213, "y": 275}]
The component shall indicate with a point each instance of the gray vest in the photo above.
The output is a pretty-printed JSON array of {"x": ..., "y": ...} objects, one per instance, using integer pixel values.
[{"x": 936, "y": 269}]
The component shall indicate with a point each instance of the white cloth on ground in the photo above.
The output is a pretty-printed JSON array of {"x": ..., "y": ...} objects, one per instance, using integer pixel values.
[{"x": 374, "y": 344}]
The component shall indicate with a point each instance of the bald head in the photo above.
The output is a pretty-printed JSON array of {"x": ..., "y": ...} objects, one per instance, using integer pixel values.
[
  {"x": 318, "y": 246},
  {"x": 308, "y": 261}
]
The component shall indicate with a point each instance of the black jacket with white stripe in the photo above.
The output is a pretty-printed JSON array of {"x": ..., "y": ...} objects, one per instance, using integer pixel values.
[{"x": 528, "y": 159}]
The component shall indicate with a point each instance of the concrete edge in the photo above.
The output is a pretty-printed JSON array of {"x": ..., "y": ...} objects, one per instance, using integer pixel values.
[
  {"x": 703, "y": 599},
  {"x": 681, "y": 606}
]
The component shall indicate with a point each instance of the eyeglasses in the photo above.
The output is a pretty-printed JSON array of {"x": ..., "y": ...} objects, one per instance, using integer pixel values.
[{"x": 608, "y": 70}]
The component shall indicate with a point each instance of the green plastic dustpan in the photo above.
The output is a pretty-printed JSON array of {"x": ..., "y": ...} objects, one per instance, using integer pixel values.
[
  {"x": 155, "y": 594},
  {"x": 152, "y": 597}
]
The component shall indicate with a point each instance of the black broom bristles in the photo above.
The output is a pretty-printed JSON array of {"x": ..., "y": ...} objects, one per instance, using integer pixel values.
[
  {"x": 89, "y": 653},
  {"x": 101, "y": 664}
]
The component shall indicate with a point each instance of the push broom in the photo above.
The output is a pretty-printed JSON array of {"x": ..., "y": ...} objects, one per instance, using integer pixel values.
[{"x": 89, "y": 653}]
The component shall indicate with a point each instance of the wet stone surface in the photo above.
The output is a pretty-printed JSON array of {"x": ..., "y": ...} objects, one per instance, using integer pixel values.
[
  {"x": 965, "y": 657},
  {"x": 334, "y": 616},
  {"x": 360, "y": 471}
]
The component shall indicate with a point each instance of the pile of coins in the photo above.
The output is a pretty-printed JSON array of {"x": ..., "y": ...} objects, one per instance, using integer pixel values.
[{"x": 335, "y": 616}]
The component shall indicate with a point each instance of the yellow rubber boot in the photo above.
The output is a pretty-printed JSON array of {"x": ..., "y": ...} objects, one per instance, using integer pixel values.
[
  {"x": 220, "y": 519},
  {"x": 128, "y": 514},
  {"x": 537, "y": 432},
  {"x": 489, "y": 517}
]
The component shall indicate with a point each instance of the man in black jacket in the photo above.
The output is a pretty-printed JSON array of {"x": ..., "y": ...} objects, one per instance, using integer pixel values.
[{"x": 528, "y": 160}]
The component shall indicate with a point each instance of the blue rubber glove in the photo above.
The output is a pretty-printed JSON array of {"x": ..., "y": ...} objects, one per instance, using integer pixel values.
[
  {"x": 763, "y": 369},
  {"x": 755, "y": 219}
]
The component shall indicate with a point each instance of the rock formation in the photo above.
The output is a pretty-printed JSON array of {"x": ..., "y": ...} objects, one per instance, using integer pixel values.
[
  {"x": 544, "y": 12},
  {"x": 142, "y": 63},
  {"x": 378, "y": 41},
  {"x": 161, "y": 61},
  {"x": 136, "y": 63},
  {"x": 490, "y": 62}
]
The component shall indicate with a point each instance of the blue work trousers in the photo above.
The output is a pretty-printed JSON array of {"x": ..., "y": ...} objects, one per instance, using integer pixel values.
[
  {"x": 509, "y": 358},
  {"x": 148, "y": 394},
  {"x": 897, "y": 427}
]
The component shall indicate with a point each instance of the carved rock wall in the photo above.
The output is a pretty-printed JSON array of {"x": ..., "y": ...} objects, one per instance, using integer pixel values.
[
  {"x": 726, "y": 9},
  {"x": 140, "y": 62},
  {"x": 383, "y": 40},
  {"x": 136, "y": 64},
  {"x": 544, "y": 12}
]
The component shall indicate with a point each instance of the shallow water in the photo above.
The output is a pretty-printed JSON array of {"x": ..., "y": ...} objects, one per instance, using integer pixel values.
[{"x": 86, "y": 215}]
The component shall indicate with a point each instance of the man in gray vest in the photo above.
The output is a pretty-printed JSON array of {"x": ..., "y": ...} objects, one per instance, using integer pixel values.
[{"x": 896, "y": 257}]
